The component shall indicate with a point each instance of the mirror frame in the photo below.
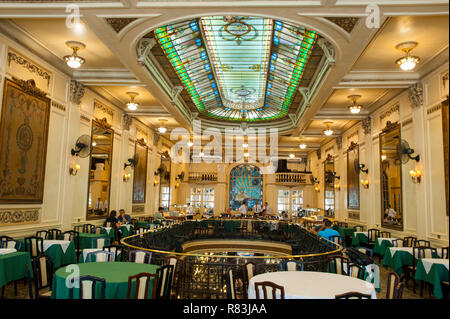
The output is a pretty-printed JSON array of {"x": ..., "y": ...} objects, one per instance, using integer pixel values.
[
  {"x": 140, "y": 144},
  {"x": 166, "y": 157},
  {"x": 104, "y": 125},
  {"x": 353, "y": 148},
  {"x": 390, "y": 127},
  {"x": 328, "y": 160}
]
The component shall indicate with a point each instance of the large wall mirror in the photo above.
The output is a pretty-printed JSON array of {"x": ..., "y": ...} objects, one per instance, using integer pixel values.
[
  {"x": 99, "y": 187},
  {"x": 391, "y": 177},
  {"x": 164, "y": 184},
  {"x": 353, "y": 176},
  {"x": 445, "y": 126},
  {"x": 140, "y": 172},
  {"x": 329, "y": 177}
]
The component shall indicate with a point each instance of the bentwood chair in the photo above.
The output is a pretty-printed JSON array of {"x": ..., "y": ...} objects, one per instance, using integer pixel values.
[
  {"x": 53, "y": 233},
  {"x": 338, "y": 264},
  {"x": 42, "y": 268},
  {"x": 100, "y": 256},
  {"x": 353, "y": 295},
  {"x": 397, "y": 242},
  {"x": 292, "y": 265},
  {"x": 164, "y": 288},
  {"x": 231, "y": 285},
  {"x": 42, "y": 234},
  {"x": 355, "y": 271},
  {"x": 35, "y": 245},
  {"x": 87, "y": 287},
  {"x": 74, "y": 236},
  {"x": 410, "y": 271},
  {"x": 409, "y": 241},
  {"x": 394, "y": 287},
  {"x": 342, "y": 225},
  {"x": 99, "y": 242},
  {"x": 140, "y": 256},
  {"x": 265, "y": 285},
  {"x": 145, "y": 279},
  {"x": 117, "y": 250}
]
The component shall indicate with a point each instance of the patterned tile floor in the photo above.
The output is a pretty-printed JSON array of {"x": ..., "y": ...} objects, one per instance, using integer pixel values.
[{"x": 407, "y": 293}]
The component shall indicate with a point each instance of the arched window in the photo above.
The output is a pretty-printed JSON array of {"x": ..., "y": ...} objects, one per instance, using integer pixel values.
[{"x": 246, "y": 183}]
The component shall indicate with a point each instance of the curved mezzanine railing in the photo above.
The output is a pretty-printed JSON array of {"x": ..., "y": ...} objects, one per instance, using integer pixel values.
[{"x": 202, "y": 275}]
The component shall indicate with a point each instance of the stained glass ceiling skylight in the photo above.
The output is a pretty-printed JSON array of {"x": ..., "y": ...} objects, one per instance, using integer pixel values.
[{"x": 238, "y": 68}]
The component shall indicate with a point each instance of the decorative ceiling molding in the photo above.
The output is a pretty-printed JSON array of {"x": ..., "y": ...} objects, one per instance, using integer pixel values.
[
  {"x": 346, "y": 23},
  {"x": 76, "y": 92},
  {"x": 366, "y": 124},
  {"x": 415, "y": 95},
  {"x": 119, "y": 23},
  {"x": 59, "y": 106},
  {"x": 102, "y": 107}
]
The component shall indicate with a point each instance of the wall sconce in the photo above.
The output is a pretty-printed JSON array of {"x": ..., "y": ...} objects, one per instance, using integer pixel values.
[
  {"x": 365, "y": 183},
  {"x": 126, "y": 177},
  {"x": 416, "y": 175},
  {"x": 74, "y": 169},
  {"x": 361, "y": 168},
  {"x": 155, "y": 182},
  {"x": 177, "y": 184},
  {"x": 317, "y": 188},
  {"x": 337, "y": 187}
]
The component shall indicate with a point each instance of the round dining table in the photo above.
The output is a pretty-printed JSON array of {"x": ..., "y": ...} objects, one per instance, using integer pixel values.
[
  {"x": 115, "y": 274},
  {"x": 311, "y": 284}
]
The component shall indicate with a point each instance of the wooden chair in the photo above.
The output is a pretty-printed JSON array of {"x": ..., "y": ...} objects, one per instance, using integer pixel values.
[
  {"x": 42, "y": 234},
  {"x": 385, "y": 234},
  {"x": 268, "y": 284},
  {"x": 53, "y": 233},
  {"x": 409, "y": 241},
  {"x": 79, "y": 228},
  {"x": 342, "y": 225},
  {"x": 140, "y": 256},
  {"x": 97, "y": 230},
  {"x": 355, "y": 271},
  {"x": 292, "y": 265},
  {"x": 74, "y": 236},
  {"x": 372, "y": 235},
  {"x": 7, "y": 242},
  {"x": 87, "y": 228},
  {"x": 87, "y": 285},
  {"x": 422, "y": 243},
  {"x": 397, "y": 242},
  {"x": 444, "y": 252},
  {"x": 35, "y": 245},
  {"x": 42, "y": 268},
  {"x": 231, "y": 285},
  {"x": 393, "y": 282},
  {"x": 359, "y": 228},
  {"x": 164, "y": 288},
  {"x": 177, "y": 264},
  {"x": 410, "y": 271},
  {"x": 99, "y": 242},
  {"x": 340, "y": 264},
  {"x": 117, "y": 250},
  {"x": 337, "y": 240},
  {"x": 100, "y": 256},
  {"x": 142, "y": 278},
  {"x": 353, "y": 295},
  {"x": 249, "y": 271}
]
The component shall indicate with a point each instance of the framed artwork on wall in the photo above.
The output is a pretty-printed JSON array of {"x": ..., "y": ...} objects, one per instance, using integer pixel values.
[
  {"x": 23, "y": 142},
  {"x": 140, "y": 172}
]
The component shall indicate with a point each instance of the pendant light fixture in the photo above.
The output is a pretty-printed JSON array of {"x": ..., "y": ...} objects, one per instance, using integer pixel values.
[
  {"x": 132, "y": 106},
  {"x": 74, "y": 61},
  {"x": 354, "y": 108},
  {"x": 408, "y": 62},
  {"x": 328, "y": 131},
  {"x": 162, "y": 128}
]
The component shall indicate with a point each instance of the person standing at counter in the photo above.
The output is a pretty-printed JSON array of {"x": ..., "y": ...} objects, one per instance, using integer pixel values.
[
  {"x": 190, "y": 211},
  {"x": 243, "y": 210}
]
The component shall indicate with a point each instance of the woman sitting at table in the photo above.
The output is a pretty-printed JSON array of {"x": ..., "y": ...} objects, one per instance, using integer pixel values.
[{"x": 112, "y": 219}]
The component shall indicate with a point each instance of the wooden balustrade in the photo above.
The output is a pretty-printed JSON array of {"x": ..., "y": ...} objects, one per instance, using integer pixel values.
[
  {"x": 197, "y": 177},
  {"x": 292, "y": 178}
]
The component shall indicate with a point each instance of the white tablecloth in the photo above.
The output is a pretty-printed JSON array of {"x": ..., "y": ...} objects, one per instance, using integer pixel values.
[
  {"x": 393, "y": 250},
  {"x": 312, "y": 285},
  {"x": 63, "y": 243},
  {"x": 428, "y": 262},
  {"x": 4, "y": 251},
  {"x": 108, "y": 229},
  {"x": 380, "y": 240},
  {"x": 362, "y": 232}
]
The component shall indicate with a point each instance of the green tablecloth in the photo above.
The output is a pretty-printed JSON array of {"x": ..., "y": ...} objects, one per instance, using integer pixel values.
[
  {"x": 13, "y": 266},
  {"x": 110, "y": 234},
  {"x": 380, "y": 248},
  {"x": 400, "y": 259},
  {"x": 435, "y": 276},
  {"x": 56, "y": 254},
  {"x": 346, "y": 232},
  {"x": 115, "y": 273},
  {"x": 375, "y": 280},
  {"x": 85, "y": 239},
  {"x": 359, "y": 239},
  {"x": 143, "y": 224},
  {"x": 124, "y": 231}
]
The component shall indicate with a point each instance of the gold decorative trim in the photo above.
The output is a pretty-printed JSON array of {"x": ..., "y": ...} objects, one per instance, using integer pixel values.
[
  {"x": 406, "y": 122},
  {"x": 29, "y": 87},
  {"x": 103, "y": 123},
  {"x": 119, "y": 23},
  {"x": 141, "y": 141},
  {"x": 346, "y": 23},
  {"x": 102, "y": 107},
  {"x": 58, "y": 106},
  {"x": 395, "y": 108},
  {"x": 19, "y": 216},
  {"x": 352, "y": 146},
  {"x": 390, "y": 126},
  {"x": 433, "y": 109},
  {"x": 85, "y": 118},
  {"x": 30, "y": 66}
]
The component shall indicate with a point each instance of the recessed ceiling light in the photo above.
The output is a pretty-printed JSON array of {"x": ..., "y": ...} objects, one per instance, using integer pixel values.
[
  {"x": 328, "y": 131},
  {"x": 74, "y": 61},
  {"x": 354, "y": 108},
  {"x": 291, "y": 155},
  {"x": 132, "y": 106},
  {"x": 162, "y": 129},
  {"x": 302, "y": 146},
  {"x": 245, "y": 145},
  {"x": 246, "y": 154},
  {"x": 408, "y": 62}
]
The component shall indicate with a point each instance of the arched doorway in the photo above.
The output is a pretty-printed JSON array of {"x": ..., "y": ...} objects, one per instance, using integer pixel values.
[{"x": 246, "y": 182}]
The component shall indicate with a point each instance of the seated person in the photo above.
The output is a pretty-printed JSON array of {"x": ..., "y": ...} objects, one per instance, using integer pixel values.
[
  {"x": 123, "y": 218},
  {"x": 326, "y": 231},
  {"x": 159, "y": 214},
  {"x": 111, "y": 219}
]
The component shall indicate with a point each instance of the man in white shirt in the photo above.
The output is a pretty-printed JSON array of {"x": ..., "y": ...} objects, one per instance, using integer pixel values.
[
  {"x": 257, "y": 209},
  {"x": 243, "y": 210},
  {"x": 190, "y": 211},
  {"x": 266, "y": 210}
]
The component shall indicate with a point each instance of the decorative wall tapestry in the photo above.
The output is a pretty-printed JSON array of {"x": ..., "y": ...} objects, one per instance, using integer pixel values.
[
  {"x": 23, "y": 142},
  {"x": 353, "y": 176},
  {"x": 140, "y": 172},
  {"x": 246, "y": 183}
]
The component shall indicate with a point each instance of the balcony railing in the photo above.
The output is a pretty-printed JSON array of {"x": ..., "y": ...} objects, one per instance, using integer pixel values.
[
  {"x": 292, "y": 178},
  {"x": 195, "y": 177}
]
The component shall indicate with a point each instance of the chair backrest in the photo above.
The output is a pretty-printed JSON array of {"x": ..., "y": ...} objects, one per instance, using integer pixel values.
[
  {"x": 117, "y": 250},
  {"x": 99, "y": 242},
  {"x": 176, "y": 262},
  {"x": 231, "y": 285},
  {"x": 42, "y": 267},
  {"x": 444, "y": 252},
  {"x": 53, "y": 233},
  {"x": 355, "y": 271},
  {"x": 87, "y": 285},
  {"x": 424, "y": 252},
  {"x": 42, "y": 234},
  {"x": 340, "y": 264},
  {"x": 422, "y": 243},
  {"x": 79, "y": 228},
  {"x": 337, "y": 240},
  {"x": 291, "y": 265},
  {"x": 268, "y": 285},
  {"x": 353, "y": 295},
  {"x": 397, "y": 242},
  {"x": 372, "y": 234},
  {"x": 108, "y": 224},
  {"x": 359, "y": 228},
  {"x": 140, "y": 256},
  {"x": 385, "y": 234},
  {"x": 392, "y": 283},
  {"x": 399, "y": 290},
  {"x": 342, "y": 224},
  {"x": 143, "y": 281},
  {"x": 165, "y": 274},
  {"x": 249, "y": 270},
  {"x": 100, "y": 256},
  {"x": 97, "y": 230},
  {"x": 35, "y": 245},
  {"x": 409, "y": 241},
  {"x": 87, "y": 228},
  {"x": 7, "y": 242},
  {"x": 72, "y": 236}
]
